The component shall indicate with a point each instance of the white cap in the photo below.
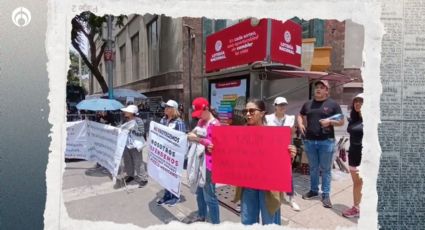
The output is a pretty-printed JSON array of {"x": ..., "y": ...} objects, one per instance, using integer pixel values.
[
  {"x": 280, "y": 100},
  {"x": 171, "y": 103},
  {"x": 131, "y": 109},
  {"x": 360, "y": 95}
]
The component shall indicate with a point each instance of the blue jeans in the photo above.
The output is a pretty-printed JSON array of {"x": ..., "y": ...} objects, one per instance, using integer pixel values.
[
  {"x": 253, "y": 204},
  {"x": 320, "y": 155},
  {"x": 207, "y": 201}
]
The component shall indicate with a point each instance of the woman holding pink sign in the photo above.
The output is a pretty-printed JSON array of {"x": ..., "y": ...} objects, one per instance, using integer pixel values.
[{"x": 256, "y": 202}]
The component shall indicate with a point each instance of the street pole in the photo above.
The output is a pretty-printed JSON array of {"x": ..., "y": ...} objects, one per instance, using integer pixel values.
[
  {"x": 109, "y": 61},
  {"x": 79, "y": 70}
]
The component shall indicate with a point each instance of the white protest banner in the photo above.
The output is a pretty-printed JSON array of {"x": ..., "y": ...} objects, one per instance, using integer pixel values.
[
  {"x": 76, "y": 140},
  {"x": 106, "y": 145},
  {"x": 167, "y": 148}
]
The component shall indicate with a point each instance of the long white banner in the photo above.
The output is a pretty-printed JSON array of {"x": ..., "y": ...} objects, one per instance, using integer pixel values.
[
  {"x": 76, "y": 140},
  {"x": 97, "y": 142},
  {"x": 167, "y": 148}
]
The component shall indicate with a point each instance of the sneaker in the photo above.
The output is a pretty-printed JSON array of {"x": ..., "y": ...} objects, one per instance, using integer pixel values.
[
  {"x": 351, "y": 213},
  {"x": 326, "y": 201},
  {"x": 143, "y": 183},
  {"x": 128, "y": 179},
  {"x": 310, "y": 195},
  {"x": 172, "y": 202},
  {"x": 294, "y": 205},
  {"x": 162, "y": 201}
]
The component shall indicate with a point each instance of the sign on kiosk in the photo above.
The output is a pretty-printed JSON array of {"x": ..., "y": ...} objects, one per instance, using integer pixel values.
[
  {"x": 245, "y": 43},
  {"x": 236, "y": 45},
  {"x": 286, "y": 42}
]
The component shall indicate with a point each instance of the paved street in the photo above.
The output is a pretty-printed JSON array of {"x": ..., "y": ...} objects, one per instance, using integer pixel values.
[{"x": 90, "y": 195}]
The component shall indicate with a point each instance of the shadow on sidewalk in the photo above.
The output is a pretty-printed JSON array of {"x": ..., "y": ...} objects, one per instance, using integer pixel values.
[
  {"x": 161, "y": 212},
  {"x": 339, "y": 208}
]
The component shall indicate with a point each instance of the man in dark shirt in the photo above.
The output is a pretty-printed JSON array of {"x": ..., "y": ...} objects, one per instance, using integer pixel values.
[{"x": 316, "y": 124}]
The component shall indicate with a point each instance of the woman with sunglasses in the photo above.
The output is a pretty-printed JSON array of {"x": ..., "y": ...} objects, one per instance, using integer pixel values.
[
  {"x": 355, "y": 129},
  {"x": 205, "y": 196},
  {"x": 255, "y": 202}
]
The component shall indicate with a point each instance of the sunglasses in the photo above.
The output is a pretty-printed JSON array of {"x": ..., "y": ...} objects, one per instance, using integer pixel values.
[{"x": 250, "y": 111}]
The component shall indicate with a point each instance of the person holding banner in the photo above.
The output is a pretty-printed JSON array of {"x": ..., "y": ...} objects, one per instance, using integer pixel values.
[
  {"x": 171, "y": 119},
  {"x": 133, "y": 157},
  {"x": 255, "y": 202},
  {"x": 279, "y": 118},
  {"x": 205, "y": 194},
  {"x": 355, "y": 129},
  {"x": 316, "y": 122}
]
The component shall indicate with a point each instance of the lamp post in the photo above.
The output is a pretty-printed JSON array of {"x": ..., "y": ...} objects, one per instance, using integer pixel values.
[{"x": 109, "y": 60}]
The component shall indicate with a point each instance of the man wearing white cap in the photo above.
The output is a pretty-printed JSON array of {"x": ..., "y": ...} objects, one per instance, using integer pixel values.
[
  {"x": 316, "y": 121},
  {"x": 279, "y": 118},
  {"x": 133, "y": 157},
  {"x": 172, "y": 120}
]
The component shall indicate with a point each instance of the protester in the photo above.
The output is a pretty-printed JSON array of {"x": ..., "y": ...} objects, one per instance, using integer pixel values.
[
  {"x": 355, "y": 129},
  {"x": 133, "y": 157},
  {"x": 255, "y": 202},
  {"x": 171, "y": 119},
  {"x": 205, "y": 195},
  {"x": 279, "y": 118},
  {"x": 316, "y": 125}
]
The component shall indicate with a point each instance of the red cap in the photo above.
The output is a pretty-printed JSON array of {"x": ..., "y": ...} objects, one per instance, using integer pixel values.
[{"x": 198, "y": 105}]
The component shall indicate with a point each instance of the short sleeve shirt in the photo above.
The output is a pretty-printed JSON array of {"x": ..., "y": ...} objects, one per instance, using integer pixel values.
[{"x": 315, "y": 111}]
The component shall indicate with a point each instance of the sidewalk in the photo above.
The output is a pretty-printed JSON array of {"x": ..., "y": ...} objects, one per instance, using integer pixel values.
[{"x": 91, "y": 196}]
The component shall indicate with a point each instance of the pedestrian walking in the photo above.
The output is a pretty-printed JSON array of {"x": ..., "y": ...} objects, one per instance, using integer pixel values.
[
  {"x": 171, "y": 119},
  {"x": 205, "y": 195},
  {"x": 316, "y": 123},
  {"x": 355, "y": 129},
  {"x": 280, "y": 118}
]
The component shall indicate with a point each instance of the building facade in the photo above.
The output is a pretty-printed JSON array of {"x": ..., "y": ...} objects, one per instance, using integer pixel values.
[{"x": 151, "y": 56}]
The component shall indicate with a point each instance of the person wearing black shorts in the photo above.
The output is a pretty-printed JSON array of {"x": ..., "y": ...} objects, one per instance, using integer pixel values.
[{"x": 355, "y": 129}]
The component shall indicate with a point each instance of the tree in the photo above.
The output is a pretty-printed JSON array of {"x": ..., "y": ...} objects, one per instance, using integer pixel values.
[
  {"x": 85, "y": 27},
  {"x": 72, "y": 77}
]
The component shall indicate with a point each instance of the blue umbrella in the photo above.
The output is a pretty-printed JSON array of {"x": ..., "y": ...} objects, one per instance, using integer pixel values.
[
  {"x": 124, "y": 93},
  {"x": 99, "y": 104}
]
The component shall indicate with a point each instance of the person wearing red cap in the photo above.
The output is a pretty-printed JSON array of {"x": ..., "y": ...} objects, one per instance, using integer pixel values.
[
  {"x": 355, "y": 129},
  {"x": 316, "y": 122},
  {"x": 205, "y": 196}
]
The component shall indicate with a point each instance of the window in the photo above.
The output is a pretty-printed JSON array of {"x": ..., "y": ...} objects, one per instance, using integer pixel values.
[
  {"x": 135, "y": 56},
  {"x": 122, "y": 64},
  {"x": 153, "y": 50}
]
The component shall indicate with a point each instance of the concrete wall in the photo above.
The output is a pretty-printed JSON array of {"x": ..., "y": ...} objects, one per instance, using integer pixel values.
[
  {"x": 354, "y": 43},
  {"x": 334, "y": 36}
]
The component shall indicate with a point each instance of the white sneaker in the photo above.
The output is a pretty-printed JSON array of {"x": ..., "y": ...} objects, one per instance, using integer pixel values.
[{"x": 294, "y": 206}]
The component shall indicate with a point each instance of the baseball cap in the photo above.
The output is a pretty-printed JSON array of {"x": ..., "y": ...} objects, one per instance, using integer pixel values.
[
  {"x": 170, "y": 103},
  {"x": 198, "y": 106},
  {"x": 360, "y": 95},
  {"x": 324, "y": 82},
  {"x": 131, "y": 109},
  {"x": 280, "y": 100}
]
